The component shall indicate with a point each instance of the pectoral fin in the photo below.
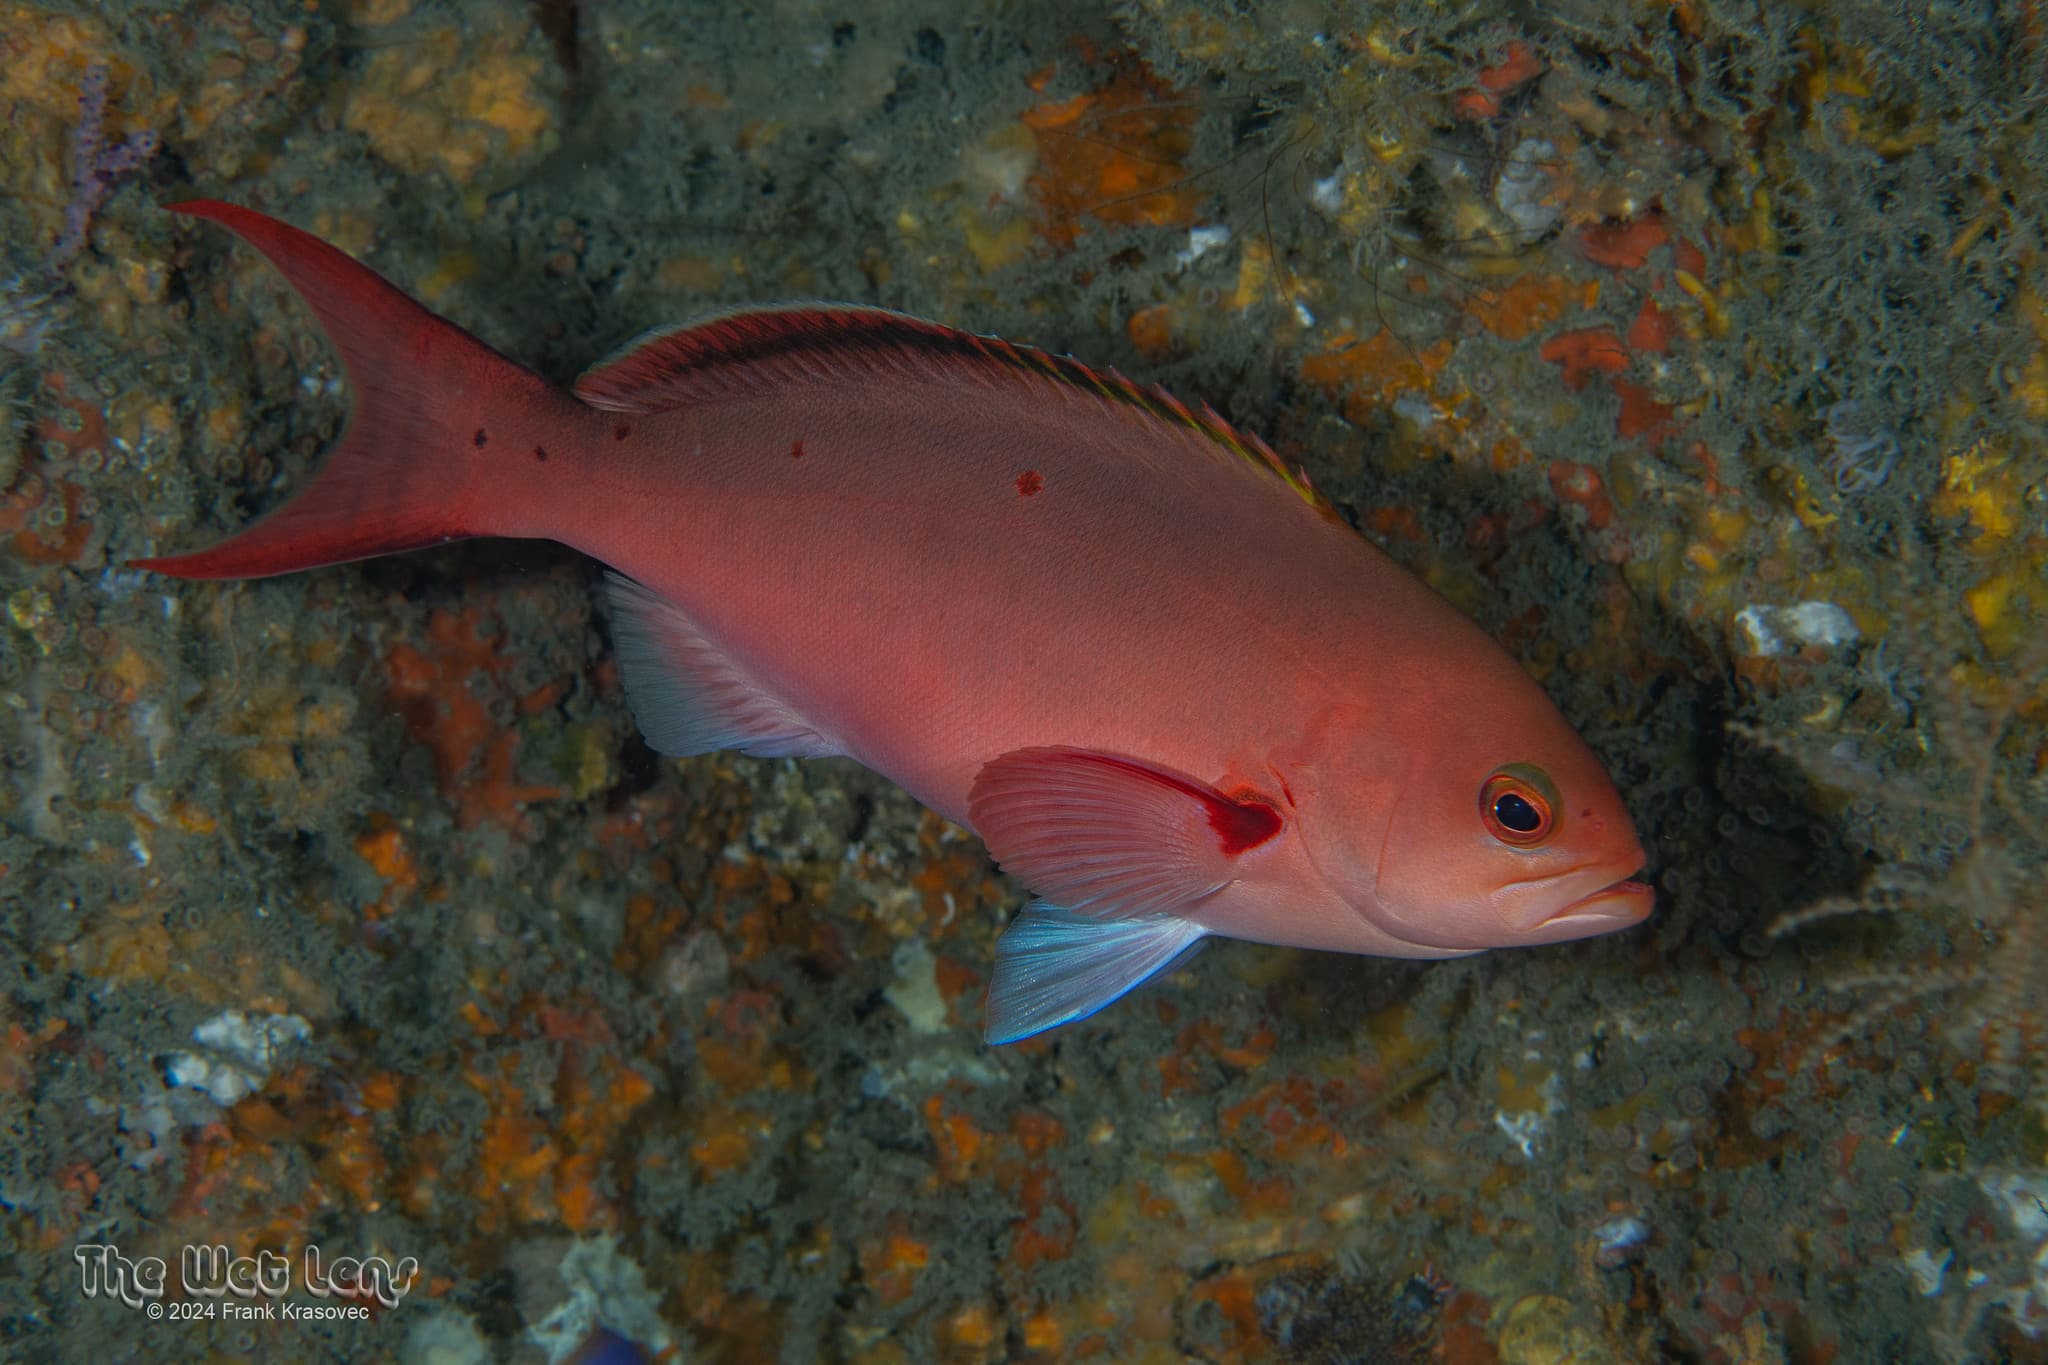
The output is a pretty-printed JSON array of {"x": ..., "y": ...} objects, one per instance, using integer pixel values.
[
  {"x": 1054, "y": 966},
  {"x": 1110, "y": 835}
]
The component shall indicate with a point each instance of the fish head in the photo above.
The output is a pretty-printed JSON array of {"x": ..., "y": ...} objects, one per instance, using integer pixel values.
[{"x": 1480, "y": 821}]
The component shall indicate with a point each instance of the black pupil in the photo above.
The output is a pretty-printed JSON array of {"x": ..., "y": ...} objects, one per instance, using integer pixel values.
[{"x": 1515, "y": 813}]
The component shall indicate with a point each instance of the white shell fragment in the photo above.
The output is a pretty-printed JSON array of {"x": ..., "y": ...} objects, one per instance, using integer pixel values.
[
  {"x": 241, "y": 1051},
  {"x": 1769, "y": 631}
]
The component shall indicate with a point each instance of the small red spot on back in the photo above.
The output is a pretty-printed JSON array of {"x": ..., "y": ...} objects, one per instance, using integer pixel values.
[
  {"x": 621, "y": 433},
  {"x": 796, "y": 450},
  {"x": 1029, "y": 482}
]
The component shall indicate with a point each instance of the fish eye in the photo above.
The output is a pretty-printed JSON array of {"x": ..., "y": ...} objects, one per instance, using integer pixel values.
[{"x": 1518, "y": 805}]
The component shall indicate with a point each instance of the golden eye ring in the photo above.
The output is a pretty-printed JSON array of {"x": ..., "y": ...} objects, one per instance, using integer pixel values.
[{"x": 1518, "y": 806}]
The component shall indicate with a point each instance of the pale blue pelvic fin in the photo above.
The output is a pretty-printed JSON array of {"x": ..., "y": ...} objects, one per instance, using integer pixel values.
[
  {"x": 1054, "y": 966},
  {"x": 688, "y": 695}
]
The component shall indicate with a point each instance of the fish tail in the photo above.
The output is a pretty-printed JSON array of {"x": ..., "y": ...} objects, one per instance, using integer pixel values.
[{"x": 439, "y": 420}]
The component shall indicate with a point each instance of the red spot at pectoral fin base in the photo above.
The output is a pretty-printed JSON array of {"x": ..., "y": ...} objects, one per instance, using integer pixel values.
[{"x": 1110, "y": 835}]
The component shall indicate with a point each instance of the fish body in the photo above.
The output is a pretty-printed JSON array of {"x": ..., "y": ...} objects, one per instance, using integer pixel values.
[{"x": 1170, "y": 689}]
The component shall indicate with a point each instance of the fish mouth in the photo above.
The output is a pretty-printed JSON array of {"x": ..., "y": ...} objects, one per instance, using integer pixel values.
[{"x": 1612, "y": 907}]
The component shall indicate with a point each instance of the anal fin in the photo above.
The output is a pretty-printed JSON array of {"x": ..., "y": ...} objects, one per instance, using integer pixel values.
[
  {"x": 1054, "y": 966},
  {"x": 691, "y": 697}
]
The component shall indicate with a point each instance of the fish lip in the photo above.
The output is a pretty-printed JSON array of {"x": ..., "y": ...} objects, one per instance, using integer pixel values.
[{"x": 1614, "y": 906}]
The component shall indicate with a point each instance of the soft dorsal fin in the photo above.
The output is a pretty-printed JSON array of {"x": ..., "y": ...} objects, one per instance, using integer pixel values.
[
  {"x": 753, "y": 351},
  {"x": 746, "y": 351}
]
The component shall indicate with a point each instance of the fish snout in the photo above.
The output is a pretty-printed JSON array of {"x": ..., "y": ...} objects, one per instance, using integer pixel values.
[{"x": 1612, "y": 907}]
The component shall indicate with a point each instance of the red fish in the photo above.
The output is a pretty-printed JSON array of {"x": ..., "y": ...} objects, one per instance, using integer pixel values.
[{"x": 1165, "y": 684}]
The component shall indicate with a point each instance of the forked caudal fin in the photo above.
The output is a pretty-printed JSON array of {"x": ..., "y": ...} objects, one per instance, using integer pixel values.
[{"x": 434, "y": 409}]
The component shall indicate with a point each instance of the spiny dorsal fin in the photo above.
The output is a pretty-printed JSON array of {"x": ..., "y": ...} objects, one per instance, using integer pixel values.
[{"x": 752, "y": 350}]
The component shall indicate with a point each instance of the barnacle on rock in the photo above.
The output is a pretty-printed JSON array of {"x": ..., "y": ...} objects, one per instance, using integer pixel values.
[{"x": 1962, "y": 838}]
